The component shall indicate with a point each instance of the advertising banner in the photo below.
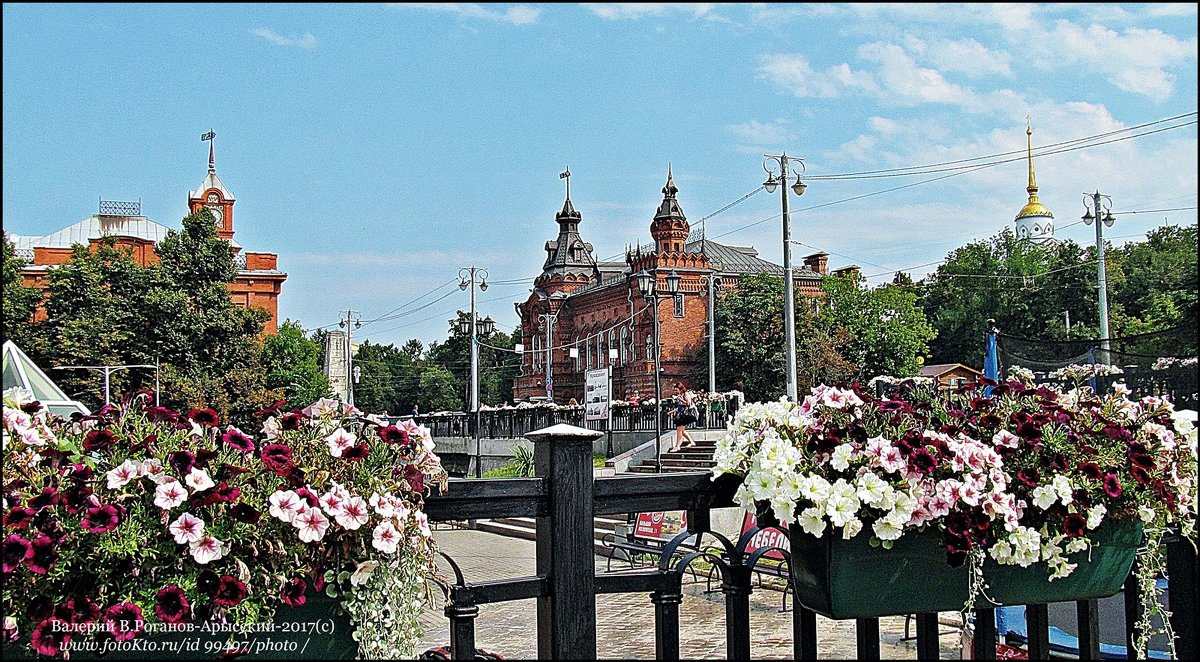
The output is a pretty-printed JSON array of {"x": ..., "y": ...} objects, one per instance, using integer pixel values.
[
  {"x": 766, "y": 538},
  {"x": 595, "y": 403},
  {"x": 664, "y": 525}
]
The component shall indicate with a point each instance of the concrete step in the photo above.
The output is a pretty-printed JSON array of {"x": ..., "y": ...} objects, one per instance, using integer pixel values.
[{"x": 526, "y": 528}]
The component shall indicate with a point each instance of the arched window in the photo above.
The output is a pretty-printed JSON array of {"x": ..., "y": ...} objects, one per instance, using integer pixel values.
[
  {"x": 624, "y": 344},
  {"x": 588, "y": 348}
]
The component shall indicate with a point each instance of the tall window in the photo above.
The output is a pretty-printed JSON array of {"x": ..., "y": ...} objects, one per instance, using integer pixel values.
[
  {"x": 577, "y": 355},
  {"x": 678, "y": 305},
  {"x": 624, "y": 344},
  {"x": 587, "y": 346}
]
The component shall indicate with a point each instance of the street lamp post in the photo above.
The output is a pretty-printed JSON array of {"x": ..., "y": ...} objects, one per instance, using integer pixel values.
[
  {"x": 467, "y": 276},
  {"x": 108, "y": 370},
  {"x": 548, "y": 319},
  {"x": 713, "y": 283},
  {"x": 157, "y": 368},
  {"x": 352, "y": 321},
  {"x": 1103, "y": 217},
  {"x": 647, "y": 284},
  {"x": 789, "y": 312}
]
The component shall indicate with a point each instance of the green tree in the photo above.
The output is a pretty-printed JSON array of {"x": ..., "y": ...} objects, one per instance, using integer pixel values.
[
  {"x": 888, "y": 330},
  {"x": 291, "y": 362},
  {"x": 438, "y": 390},
  {"x": 20, "y": 302},
  {"x": 750, "y": 351},
  {"x": 1157, "y": 290}
]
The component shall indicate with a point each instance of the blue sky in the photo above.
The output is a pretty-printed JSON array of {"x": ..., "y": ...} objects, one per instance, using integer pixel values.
[{"x": 379, "y": 148}]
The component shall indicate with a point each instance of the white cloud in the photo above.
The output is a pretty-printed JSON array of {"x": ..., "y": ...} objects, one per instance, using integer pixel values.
[
  {"x": 792, "y": 71},
  {"x": 763, "y": 133},
  {"x": 307, "y": 42},
  {"x": 516, "y": 14},
  {"x": 617, "y": 11},
  {"x": 966, "y": 56}
]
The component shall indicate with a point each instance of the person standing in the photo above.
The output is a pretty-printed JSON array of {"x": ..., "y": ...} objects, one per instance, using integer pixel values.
[{"x": 685, "y": 414}]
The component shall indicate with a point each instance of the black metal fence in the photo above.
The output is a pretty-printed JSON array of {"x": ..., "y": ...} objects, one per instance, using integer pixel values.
[
  {"x": 566, "y": 497},
  {"x": 515, "y": 423}
]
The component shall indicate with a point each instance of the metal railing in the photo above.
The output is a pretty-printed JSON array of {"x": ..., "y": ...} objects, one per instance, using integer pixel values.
[
  {"x": 566, "y": 497},
  {"x": 516, "y": 423}
]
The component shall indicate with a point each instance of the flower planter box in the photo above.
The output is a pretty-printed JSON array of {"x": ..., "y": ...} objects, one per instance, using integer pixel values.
[
  {"x": 842, "y": 579},
  {"x": 313, "y": 631}
]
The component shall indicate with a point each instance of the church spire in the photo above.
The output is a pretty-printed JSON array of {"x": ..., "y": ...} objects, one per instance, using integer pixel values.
[
  {"x": 669, "y": 227},
  {"x": 1032, "y": 189},
  {"x": 1034, "y": 221}
]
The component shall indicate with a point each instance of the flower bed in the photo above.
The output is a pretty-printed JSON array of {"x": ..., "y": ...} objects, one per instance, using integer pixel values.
[
  {"x": 137, "y": 520},
  {"x": 1022, "y": 479}
]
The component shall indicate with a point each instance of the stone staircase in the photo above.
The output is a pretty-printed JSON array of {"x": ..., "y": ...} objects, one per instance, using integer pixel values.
[
  {"x": 699, "y": 458},
  {"x": 526, "y": 527}
]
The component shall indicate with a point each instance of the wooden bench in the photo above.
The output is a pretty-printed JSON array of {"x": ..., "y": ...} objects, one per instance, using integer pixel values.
[{"x": 633, "y": 547}]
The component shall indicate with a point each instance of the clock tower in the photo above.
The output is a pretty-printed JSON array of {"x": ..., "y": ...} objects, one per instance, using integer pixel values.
[{"x": 213, "y": 195}]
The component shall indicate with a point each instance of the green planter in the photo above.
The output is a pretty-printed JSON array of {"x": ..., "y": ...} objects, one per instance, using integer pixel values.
[
  {"x": 313, "y": 631},
  {"x": 843, "y": 579}
]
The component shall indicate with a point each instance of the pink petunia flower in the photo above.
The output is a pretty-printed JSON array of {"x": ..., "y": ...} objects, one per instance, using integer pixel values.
[
  {"x": 339, "y": 441},
  {"x": 385, "y": 537},
  {"x": 121, "y": 475},
  {"x": 187, "y": 528},
  {"x": 354, "y": 513},
  {"x": 169, "y": 495},
  {"x": 312, "y": 524},
  {"x": 285, "y": 505},
  {"x": 207, "y": 549}
]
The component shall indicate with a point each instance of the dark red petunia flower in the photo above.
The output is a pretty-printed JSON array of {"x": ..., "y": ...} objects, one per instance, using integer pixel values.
[
  {"x": 226, "y": 493},
  {"x": 79, "y": 609},
  {"x": 309, "y": 496},
  {"x": 245, "y": 513},
  {"x": 1060, "y": 462},
  {"x": 1139, "y": 474},
  {"x": 16, "y": 551},
  {"x": 98, "y": 440},
  {"x": 203, "y": 455},
  {"x": 124, "y": 621},
  {"x": 230, "y": 591},
  {"x": 181, "y": 461},
  {"x": 207, "y": 582},
  {"x": 44, "y": 556},
  {"x": 81, "y": 473},
  {"x": 48, "y": 498},
  {"x": 292, "y": 592},
  {"x": 1081, "y": 497},
  {"x": 1091, "y": 470},
  {"x": 1028, "y": 477},
  {"x": 291, "y": 421},
  {"x": 31, "y": 408},
  {"x": 171, "y": 605},
  {"x": 415, "y": 478},
  {"x": 146, "y": 445},
  {"x": 101, "y": 519},
  {"x": 238, "y": 441},
  {"x": 1074, "y": 525},
  {"x": 277, "y": 458},
  {"x": 921, "y": 461},
  {"x": 204, "y": 417},
  {"x": 51, "y": 637},
  {"x": 161, "y": 414},
  {"x": 1143, "y": 460},
  {"x": 75, "y": 498},
  {"x": 1112, "y": 486},
  {"x": 270, "y": 411},
  {"x": 40, "y": 608},
  {"x": 1029, "y": 431},
  {"x": 18, "y": 518},
  {"x": 393, "y": 435},
  {"x": 229, "y": 471},
  {"x": 356, "y": 453}
]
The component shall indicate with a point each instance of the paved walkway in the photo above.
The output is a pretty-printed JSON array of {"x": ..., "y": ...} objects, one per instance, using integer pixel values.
[{"x": 625, "y": 622}]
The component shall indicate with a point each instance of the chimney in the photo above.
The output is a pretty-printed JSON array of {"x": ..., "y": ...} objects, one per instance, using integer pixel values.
[
  {"x": 848, "y": 270},
  {"x": 818, "y": 262}
]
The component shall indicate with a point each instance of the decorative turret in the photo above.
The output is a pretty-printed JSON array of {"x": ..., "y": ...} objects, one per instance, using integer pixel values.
[
  {"x": 669, "y": 227},
  {"x": 213, "y": 195},
  {"x": 570, "y": 263},
  {"x": 1034, "y": 221}
]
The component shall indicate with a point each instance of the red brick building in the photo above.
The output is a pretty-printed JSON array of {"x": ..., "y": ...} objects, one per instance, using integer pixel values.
[
  {"x": 258, "y": 281},
  {"x": 581, "y": 309}
]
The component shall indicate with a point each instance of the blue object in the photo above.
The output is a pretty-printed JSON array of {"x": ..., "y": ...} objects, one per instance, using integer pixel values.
[
  {"x": 991, "y": 362},
  {"x": 1010, "y": 624}
]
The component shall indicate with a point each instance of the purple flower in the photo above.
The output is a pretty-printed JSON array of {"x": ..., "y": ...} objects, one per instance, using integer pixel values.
[
  {"x": 16, "y": 551},
  {"x": 161, "y": 414},
  {"x": 393, "y": 435},
  {"x": 181, "y": 461},
  {"x": 230, "y": 591},
  {"x": 292, "y": 592},
  {"x": 1074, "y": 525},
  {"x": 1112, "y": 486},
  {"x": 79, "y": 609},
  {"x": 415, "y": 478},
  {"x": 101, "y": 519},
  {"x": 40, "y": 608},
  {"x": 1028, "y": 477},
  {"x": 355, "y": 453},
  {"x": 245, "y": 513},
  {"x": 207, "y": 582},
  {"x": 1091, "y": 470},
  {"x": 291, "y": 421},
  {"x": 124, "y": 621},
  {"x": 18, "y": 518},
  {"x": 921, "y": 461},
  {"x": 270, "y": 411},
  {"x": 277, "y": 458},
  {"x": 44, "y": 555},
  {"x": 237, "y": 440},
  {"x": 50, "y": 637},
  {"x": 48, "y": 497},
  {"x": 98, "y": 440},
  {"x": 171, "y": 605},
  {"x": 204, "y": 417}
]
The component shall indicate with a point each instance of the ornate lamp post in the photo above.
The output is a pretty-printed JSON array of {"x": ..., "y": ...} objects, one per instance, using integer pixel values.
[
  {"x": 789, "y": 309},
  {"x": 647, "y": 284},
  {"x": 469, "y": 277},
  {"x": 1103, "y": 217}
]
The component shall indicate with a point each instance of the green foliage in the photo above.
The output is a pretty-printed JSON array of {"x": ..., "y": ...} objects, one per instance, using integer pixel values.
[
  {"x": 888, "y": 329},
  {"x": 523, "y": 459},
  {"x": 20, "y": 301},
  {"x": 291, "y": 362},
  {"x": 439, "y": 390}
]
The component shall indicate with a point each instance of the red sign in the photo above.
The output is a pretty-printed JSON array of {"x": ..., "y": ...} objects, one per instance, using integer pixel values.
[
  {"x": 766, "y": 538},
  {"x": 660, "y": 524}
]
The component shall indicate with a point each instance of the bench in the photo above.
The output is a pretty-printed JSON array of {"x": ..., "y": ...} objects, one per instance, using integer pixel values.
[{"x": 635, "y": 547}]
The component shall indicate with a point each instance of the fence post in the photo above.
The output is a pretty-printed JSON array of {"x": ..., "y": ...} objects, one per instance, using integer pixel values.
[{"x": 566, "y": 619}]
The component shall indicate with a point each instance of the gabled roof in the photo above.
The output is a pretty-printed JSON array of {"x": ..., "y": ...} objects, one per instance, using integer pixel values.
[
  {"x": 212, "y": 181},
  {"x": 939, "y": 369},
  {"x": 20, "y": 371},
  {"x": 743, "y": 260}
]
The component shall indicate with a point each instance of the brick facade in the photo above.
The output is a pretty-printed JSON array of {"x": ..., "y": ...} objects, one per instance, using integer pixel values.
[{"x": 597, "y": 306}]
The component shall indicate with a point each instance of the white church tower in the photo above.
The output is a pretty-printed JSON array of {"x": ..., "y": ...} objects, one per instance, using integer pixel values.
[{"x": 1034, "y": 221}]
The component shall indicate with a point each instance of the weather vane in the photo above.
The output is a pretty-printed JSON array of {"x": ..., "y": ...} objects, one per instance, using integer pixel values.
[{"x": 566, "y": 174}]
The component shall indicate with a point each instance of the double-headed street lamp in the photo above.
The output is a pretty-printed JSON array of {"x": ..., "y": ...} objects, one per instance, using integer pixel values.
[
  {"x": 108, "y": 370},
  {"x": 647, "y": 284},
  {"x": 469, "y": 277},
  {"x": 789, "y": 310},
  {"x": 1102, "y": 217}
]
